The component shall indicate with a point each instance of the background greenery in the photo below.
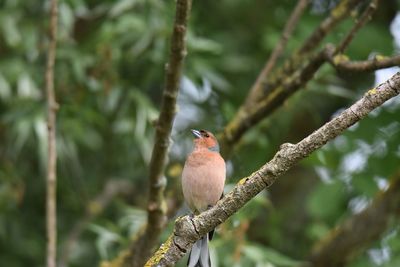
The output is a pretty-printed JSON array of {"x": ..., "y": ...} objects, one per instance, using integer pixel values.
[{"x": 109, "y": 75}]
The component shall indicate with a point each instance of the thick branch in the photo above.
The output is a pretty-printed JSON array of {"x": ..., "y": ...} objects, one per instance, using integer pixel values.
[
  {"x": 359, "y": 230},
  {"x": 278, "y": 50},
  {"x": 156, "y": 218},
  {"x": 188, "y": 230},
  {"x": 51, "y": 200}
]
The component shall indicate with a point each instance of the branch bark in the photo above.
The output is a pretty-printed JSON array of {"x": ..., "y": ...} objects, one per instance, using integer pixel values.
[
  {"x": 187, "y": 230},
  {"x": 339, "y": 245},
  {"x": 156, "y": 207},
  {"x": 52, "y": 106}
]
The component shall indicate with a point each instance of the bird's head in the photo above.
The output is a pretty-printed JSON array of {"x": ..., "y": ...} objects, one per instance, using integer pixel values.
[{"x": 205, "y": 139}]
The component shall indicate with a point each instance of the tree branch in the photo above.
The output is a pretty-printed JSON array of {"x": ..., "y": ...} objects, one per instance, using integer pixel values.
[
  {"x": 364, "y": 18},
  {"x": 337, "y": 14},
  {"x": 243, "y": 121},
  {"x": 156, "y": 219},
  {"x": 278, "y": 50},
  {"x": 340, "y": 12},
  {"x": 188, "y": 230},
  {"x": 301, "y": 64},
  {"x": 52, "y": 106},
  {"x": 342, "y": 242},
  {"x": 342, "y": 63}
]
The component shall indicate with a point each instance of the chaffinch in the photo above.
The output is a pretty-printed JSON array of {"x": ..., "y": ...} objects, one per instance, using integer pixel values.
[{"x": 203, "y": 180}]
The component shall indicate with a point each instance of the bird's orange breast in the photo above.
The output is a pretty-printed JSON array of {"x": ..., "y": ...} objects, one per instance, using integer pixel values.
[{"x": 203, "y": 179}]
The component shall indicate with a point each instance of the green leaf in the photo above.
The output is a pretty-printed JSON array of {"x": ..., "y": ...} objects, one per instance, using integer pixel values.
[
  {"x": 5, "y": 89},
  {"x": 105, "y": 239},
  {"x": 10, "y": 29}
]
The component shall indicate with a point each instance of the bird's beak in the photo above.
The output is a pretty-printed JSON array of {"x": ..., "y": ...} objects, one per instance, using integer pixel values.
[{"x": 196, "y": 133}]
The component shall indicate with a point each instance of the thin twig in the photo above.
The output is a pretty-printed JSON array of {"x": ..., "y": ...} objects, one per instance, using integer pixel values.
[
  {"x": 189, "y": 229},
  {"x": 364, "y": 18},
  {"x": 156, "y": 207},
  {"x": 337, "y": 14},
  {"x": 356, "y": 232},
  {"x": 278, "y": 50},
  {"x": 51, "y": 200}
]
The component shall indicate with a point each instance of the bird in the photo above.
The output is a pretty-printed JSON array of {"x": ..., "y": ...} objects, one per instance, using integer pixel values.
[{"x": 203, "y": 180}]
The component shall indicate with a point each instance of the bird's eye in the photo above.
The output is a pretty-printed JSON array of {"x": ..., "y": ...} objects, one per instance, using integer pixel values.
[{"x": 204, "y": 133}]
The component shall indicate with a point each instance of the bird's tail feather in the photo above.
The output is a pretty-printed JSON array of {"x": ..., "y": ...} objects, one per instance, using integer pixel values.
[{"x": 200, "y": 255}]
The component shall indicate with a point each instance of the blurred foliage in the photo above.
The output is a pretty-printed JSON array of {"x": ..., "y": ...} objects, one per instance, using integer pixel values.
[{"x": 109, "y": 77}]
